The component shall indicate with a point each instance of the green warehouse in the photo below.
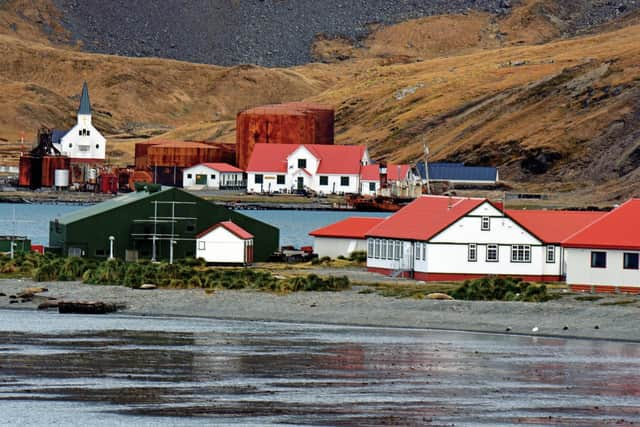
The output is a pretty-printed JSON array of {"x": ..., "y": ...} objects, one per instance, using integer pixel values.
[{"x": 147, "y": 221}]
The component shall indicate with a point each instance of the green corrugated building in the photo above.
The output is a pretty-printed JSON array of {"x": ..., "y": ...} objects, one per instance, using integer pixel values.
[
  {"x": 20, "y": 244},
  {"x": 135, "y": 218}
]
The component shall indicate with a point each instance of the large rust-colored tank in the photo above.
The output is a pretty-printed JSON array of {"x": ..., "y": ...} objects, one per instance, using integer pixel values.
[
  {"x": 142, "y": 153},
  {"x": 49, "y": 166},
  {"x": 291, "y": 123},
  {"x": 27, "y": 166}
]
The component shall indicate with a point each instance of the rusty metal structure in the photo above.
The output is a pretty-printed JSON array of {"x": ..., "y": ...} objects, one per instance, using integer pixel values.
[
  {"x": 37, "y": 169},
  {"x": 291, "y": 123}
]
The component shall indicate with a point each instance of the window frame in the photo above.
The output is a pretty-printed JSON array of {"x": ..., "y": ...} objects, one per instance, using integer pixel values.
[
  {"x": 624, "y": 260},
  {"x": 472, "y": 248},
  {"x": 497, "y": 250},
  {"x": 487, "y": 226},
  {"x": 280, "y": 178},
  {"x": 524, "y": 250},
  {"x": 418, "y": 251},
  {"x": 593, "y": 259},
  {"x": 550, "y": 250},
  {"x": 258, "y": 178},
  {"x": 376, "y": 249},
  {"x": 324, "y": 178},
  {"x": 302, "y": 163},
  {"x": 370, "y": 248},
  {"x": 397, "y": 250},
  {"x": 202, "y": 245},
  {"x": 344, "y": 179},
  {"x": 372, "y": 186}
]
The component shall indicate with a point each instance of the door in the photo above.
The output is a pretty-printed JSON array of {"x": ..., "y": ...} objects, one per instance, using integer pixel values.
[
  {"x": 201, "y": 179},
  {"x": 300, "y": 183}
]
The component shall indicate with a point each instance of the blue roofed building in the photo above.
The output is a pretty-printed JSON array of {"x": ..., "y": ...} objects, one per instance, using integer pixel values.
[{"x": 458, "y": 173}]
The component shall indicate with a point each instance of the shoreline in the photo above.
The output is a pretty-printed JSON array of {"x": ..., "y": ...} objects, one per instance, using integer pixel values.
[{"x": 356, "y": 309}]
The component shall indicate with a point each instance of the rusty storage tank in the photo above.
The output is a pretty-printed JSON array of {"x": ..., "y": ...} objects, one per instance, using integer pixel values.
[
  {"x": 49, "y": 165},
  {"x": 182, "y": 154},
  {"x": 30, "y": 171},
  {"x": 292, "y": 123},
  {"x": 142, "y": 154}
]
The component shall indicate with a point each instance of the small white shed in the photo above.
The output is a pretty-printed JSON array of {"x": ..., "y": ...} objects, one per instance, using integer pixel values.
[
  {"x": 225, "y": 243},
  {"x": 213, "y": 175},
  {"x": 343, "y": 237}
]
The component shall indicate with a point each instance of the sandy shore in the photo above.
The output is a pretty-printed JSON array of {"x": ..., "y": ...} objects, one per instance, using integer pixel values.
[{"x": 584, "y": 319}]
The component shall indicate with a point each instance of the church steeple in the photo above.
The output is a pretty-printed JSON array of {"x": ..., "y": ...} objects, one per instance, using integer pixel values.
[{"x": 85, "y": 105}]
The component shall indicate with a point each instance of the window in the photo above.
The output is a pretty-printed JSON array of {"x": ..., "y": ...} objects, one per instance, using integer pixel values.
[
  {"x": 398, "y": 250},
  {"x": 390, "y": 251},
  {"x": 370, "y": 248},
  {"x": 551, "y": 254},
  {"x": 258, "y": 178},
  {"x": 372, "y": 186},
  {"x": 89, "y": 133},
  {"x": 344, "y": 181},
  {"x": 472, "y": 252},
  {"x": 201, "y": 245},
  {"x": 302, "y": 163},
  {"x": 376, "y": 253},
  {"x": 492, "y": 253},
  {"x": 630, "y": 261},
  {"x": 188, "y": 176},
  {"x": 424, "y": 251},
  {"x": 80, "y": 132},
  {"x": 418, "y": 250},
  {"x": 324, "y": 180},
  {"x": 280, "y": 179},
  {"x": 520, "y": 253},
  {"x": 383, "y": 250},
  {"x": 97, "y": 146},
  {"x": 213, "y": 177},
  {"x": 70, "y": 145},
  {"x": 598, "y": 260},
  {"x": 485, "y": 223}
]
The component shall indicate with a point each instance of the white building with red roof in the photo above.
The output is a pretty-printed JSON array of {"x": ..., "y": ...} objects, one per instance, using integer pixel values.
[
  {"x": 344, "y": 237},
  {"x": 213, "y": 176},
  {"x": 604, "y": 255},
  {"x": 225, "y": 243},
  {"x": 374, "y": 178},
  {"x": 437, "y": 238},
  {"x": 293, "y": 167}
]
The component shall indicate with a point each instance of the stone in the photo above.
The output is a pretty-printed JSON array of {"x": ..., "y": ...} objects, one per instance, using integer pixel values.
[
  {"x": 148, "y": 286},
  {"x": 439, "y": 296}
]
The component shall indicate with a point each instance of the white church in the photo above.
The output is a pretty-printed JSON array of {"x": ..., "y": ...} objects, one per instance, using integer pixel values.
[{"x": 83, "y": 143}]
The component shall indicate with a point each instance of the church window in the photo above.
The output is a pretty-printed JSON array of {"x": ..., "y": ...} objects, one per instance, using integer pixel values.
[
  {"x": 88, "y": 132},
  {"x": 70, "y": 145},
  {"x": 98, "y": 146},
  {"x": 80, "y": 132}
]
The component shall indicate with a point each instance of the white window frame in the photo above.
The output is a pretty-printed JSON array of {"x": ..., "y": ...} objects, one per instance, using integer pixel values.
[
  {"x": 521, "y": 254},
  {"x": 485, "y": 223},
  {"x": 202, "y": 245},
  {"x": 418, "y": 251},
  {"x": 491, "y": 247},
  {"x": 550, "y": 254},
  {"x": 472, "y": 248},
  {"x": 377, "y": 249},
  {"x": 370, "y": 248},
  {"x": 398, "y": 249},
  {"x": 383, "y": 250}
]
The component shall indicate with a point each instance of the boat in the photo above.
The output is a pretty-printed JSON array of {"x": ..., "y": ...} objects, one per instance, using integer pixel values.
[{"x": 377, "y": 203}]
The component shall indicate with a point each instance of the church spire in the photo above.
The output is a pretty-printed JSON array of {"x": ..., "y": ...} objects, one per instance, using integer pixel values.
[{"x": 85, "y": 105}]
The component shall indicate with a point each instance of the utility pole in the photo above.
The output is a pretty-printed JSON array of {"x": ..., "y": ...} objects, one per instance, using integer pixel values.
[{"x": 426, "y": 167}]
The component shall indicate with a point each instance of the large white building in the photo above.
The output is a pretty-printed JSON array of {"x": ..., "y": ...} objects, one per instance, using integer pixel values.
[
  {"x": 604, "y": 256},
  {"x": 83, "y": 143},
  {"x": 438, "y": 238},
  {"x": 319, "y": 168}
]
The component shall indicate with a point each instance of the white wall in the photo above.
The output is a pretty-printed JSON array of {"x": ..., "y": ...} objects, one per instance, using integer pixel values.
[
  {"x": 334, "y": 247},
  {"x": 364, "y": 188},
  {"x": 92, "y": 146},
  {"x": 221, "y": 246},
  {"x": 291, "y": 183},
  {"x": 213, "y": 176},
  {"x": 580, "y": 272},
  {"x": 405, "y": 261}
]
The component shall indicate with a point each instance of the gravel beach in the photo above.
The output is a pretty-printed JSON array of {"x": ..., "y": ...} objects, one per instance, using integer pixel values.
[{"x": 566, "y": 317}]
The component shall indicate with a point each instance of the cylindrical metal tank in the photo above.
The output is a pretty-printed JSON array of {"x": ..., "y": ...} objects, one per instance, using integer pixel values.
[
  {"x": 141, "y": 154},
  {"x": 92, "y": 175},
  {"x": 182, "y": 154},
  {"x": 61, "y": 179},
  {"x": 292, "y": 123}
]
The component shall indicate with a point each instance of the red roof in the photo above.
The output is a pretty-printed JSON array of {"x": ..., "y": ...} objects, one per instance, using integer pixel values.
[
  {"x": 370, "y": 173},
  {"x": 222, "y": 167},
  {"x": 553, "y": 226},
  {"x": 397, "y": 172},
  {"x": 618, "y": 229},
  {"x": 425, "y": 217},
  {"x": 233, "y": 228},
  {"x": 334, "y": 159},
  {"x": 349, "y": 228}
]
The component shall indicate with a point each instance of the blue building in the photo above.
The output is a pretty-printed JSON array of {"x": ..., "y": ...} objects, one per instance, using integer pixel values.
[{"x": 458, "y": 173}]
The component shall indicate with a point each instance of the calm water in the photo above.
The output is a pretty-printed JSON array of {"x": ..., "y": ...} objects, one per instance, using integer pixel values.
[
  {"x": 111, "y": 370},
  {"x": 294, "y": 225}
]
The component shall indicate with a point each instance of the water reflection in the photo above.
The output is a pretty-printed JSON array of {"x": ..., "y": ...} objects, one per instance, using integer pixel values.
[{"x": 152, "y": 370}]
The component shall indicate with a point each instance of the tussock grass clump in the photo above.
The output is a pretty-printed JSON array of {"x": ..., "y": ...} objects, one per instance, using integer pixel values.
[{"x": 501, "y": 289}]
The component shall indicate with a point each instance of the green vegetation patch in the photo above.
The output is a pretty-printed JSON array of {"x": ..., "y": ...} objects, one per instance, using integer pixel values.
[
  {"x": 501, "y": 289},
  {"x": 619, "y": 302},
  {"x": 588, "y": 298}
]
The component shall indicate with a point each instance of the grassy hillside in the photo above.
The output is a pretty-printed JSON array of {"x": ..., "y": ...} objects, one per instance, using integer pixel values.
[{"x": 554, "y": 113}]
